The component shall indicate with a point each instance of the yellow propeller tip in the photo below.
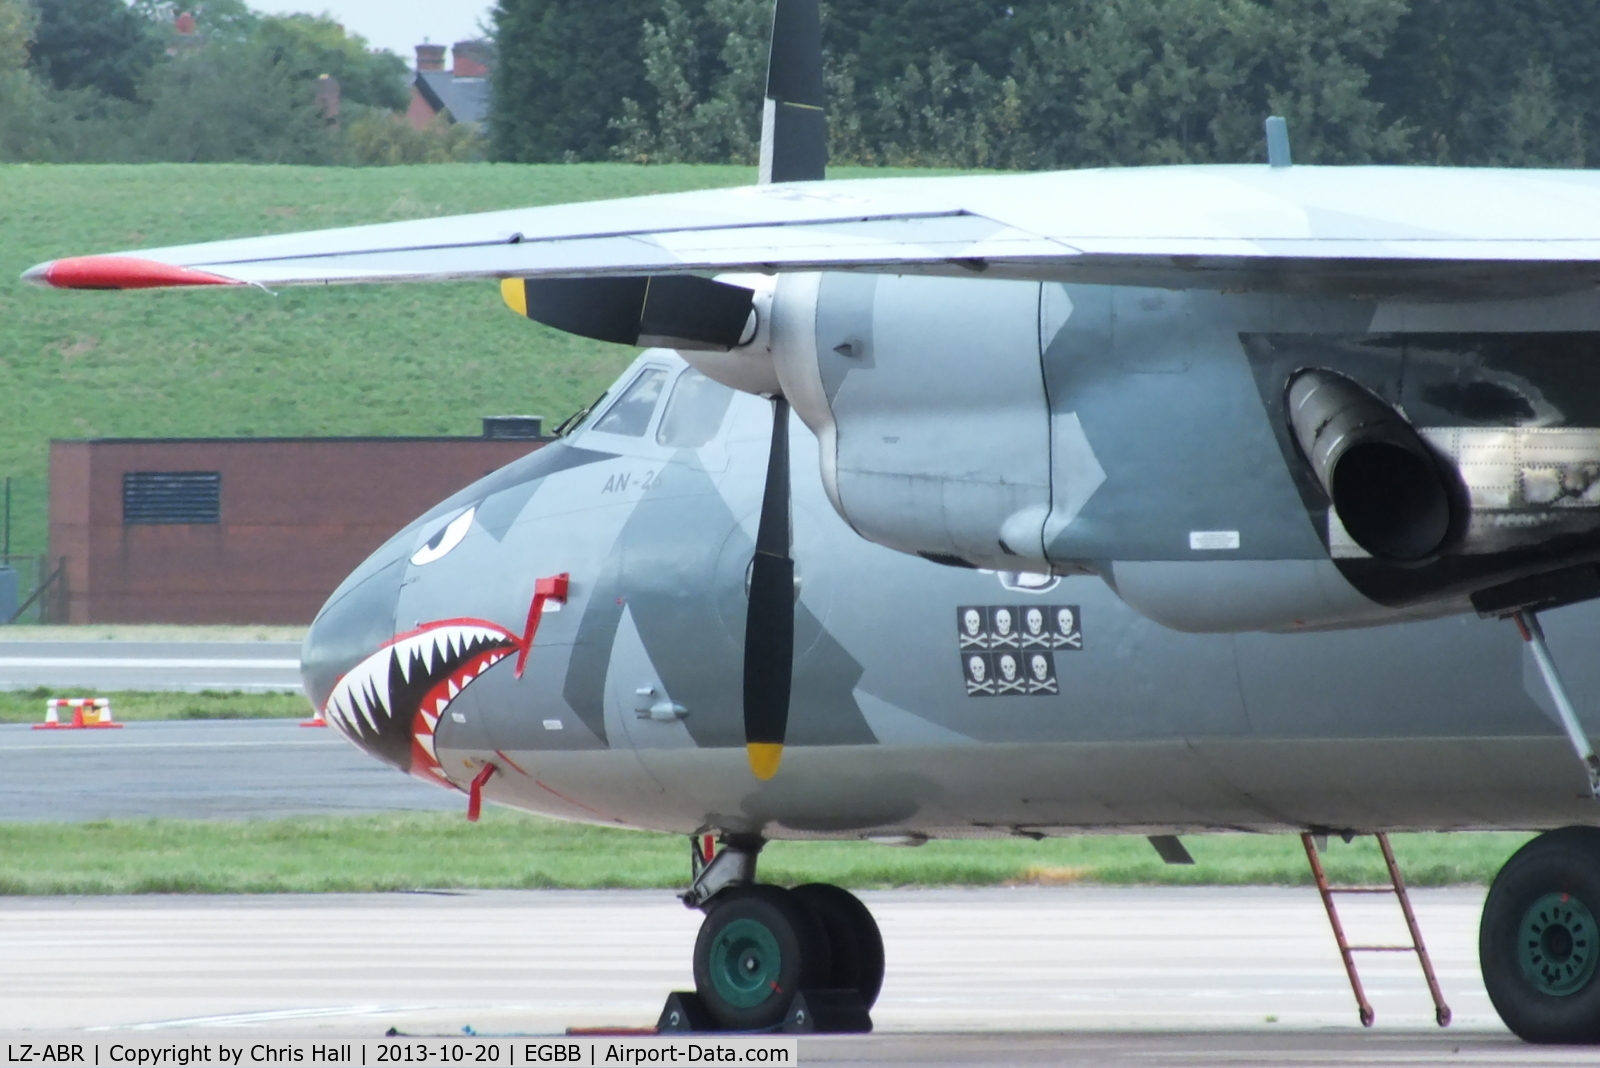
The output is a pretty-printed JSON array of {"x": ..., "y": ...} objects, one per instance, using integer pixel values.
[
  {"x": 515, "y": 294},
  {"x": 764, "y": 758}
]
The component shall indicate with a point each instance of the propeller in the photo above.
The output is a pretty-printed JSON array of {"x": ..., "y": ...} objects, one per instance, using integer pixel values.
[
  {"x": 794, "y": 148},
  {"x": 691, "y": 313},
  {"x": 769, "y": 622}
]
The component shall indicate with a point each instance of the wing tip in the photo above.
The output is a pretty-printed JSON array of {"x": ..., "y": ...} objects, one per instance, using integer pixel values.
[{"x": 118, "y": 272}]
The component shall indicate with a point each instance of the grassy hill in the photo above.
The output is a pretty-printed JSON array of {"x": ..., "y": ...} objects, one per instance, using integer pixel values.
[{"x": 351, "y": 360}]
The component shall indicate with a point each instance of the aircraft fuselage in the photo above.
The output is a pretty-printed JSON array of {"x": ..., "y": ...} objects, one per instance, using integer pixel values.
[{"x": 928, "y": 699}]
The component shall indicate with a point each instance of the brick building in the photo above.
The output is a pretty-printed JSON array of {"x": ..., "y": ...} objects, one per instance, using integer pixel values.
[
  {"x": 240, "y": 530},
  {"x": 461, "y": 93}
]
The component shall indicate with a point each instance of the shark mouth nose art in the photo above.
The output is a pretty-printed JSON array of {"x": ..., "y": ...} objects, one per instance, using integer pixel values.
[{"x": 390, "y": 703}]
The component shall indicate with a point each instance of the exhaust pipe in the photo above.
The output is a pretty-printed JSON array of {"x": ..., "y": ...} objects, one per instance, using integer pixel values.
[{"x": 1391, "y": 493}]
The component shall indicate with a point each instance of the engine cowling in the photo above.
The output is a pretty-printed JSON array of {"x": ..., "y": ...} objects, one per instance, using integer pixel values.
[
  {"x": 929, "y": 401},
  {"x": 1226, "y": 462}
]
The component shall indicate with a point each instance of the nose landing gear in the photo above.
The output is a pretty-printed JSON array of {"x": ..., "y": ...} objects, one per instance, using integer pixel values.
[
  {"x": 1539, "y": 944},
  {"x": 808, "y": 959}
]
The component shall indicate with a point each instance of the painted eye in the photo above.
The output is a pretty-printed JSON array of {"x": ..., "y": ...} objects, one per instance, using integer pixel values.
[{"x": 447, "y": 538}]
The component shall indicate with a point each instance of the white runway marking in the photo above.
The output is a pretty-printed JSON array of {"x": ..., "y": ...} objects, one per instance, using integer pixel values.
[
  {"x": 180, "y": 665},
  {"x": 60, "y": 746},
  {"x": 256, "y": 1019},
  {"x": 161, "y": 663}
]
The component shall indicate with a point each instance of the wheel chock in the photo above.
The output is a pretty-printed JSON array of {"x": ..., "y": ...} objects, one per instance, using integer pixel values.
[
  {"x": 685, "y": 1013},
  {"x": 827, "y": 1012}
]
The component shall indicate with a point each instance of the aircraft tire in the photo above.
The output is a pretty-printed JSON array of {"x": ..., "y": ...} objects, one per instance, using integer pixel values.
[
  {"x": 756, "y": 949},
  {"x": 853, "y": 937},
  {"x": 1539, "y": 942}
]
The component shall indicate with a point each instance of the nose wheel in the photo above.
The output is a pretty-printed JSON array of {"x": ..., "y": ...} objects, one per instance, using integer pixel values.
[
  {"x": 803, "y": 960},
  {"x": 757, "y": 948},
  {"x": 853, "y": 939}
]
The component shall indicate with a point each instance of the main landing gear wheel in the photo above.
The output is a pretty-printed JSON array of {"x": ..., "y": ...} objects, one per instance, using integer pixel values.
[
  {"x": 853, "y": 938},
  {"x": 1539, "y": 943},
  {"x": 756, "y": 949}
]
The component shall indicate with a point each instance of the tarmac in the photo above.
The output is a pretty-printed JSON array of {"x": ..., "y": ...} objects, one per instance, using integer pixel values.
[
  {"x": 1059, "y": 975},
  {"x": 253, "y": 666},
  {"x": 198, "y": 769},
  {"x": 1071, "y": 976}
]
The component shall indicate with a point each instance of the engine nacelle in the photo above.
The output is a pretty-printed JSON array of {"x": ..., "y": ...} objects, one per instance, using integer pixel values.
[
  {"x": 928, "y": 399},
  {"x": 1226, "y": 462}
]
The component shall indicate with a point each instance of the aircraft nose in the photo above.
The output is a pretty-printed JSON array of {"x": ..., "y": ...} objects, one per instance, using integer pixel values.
[
  {"x": 352, "y": 627},
  {"x": 386, "y": 691}
]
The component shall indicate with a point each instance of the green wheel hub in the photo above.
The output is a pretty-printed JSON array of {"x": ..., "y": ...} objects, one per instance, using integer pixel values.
[
  {"x": 744, "y": 963},
  {"x": 1556, "y": 945}
]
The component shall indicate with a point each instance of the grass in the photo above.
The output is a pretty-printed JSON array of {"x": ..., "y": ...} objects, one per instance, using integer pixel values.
[
  {"x": 507, "y": 850},
  {"x": 391, "y": 359},
  {"x": 27, "y": 706}
]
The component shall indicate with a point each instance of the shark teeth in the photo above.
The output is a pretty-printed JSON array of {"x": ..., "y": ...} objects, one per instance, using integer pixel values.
[
  {"x": 362, "y": 695},
  {"x": 363, "y": 701}
]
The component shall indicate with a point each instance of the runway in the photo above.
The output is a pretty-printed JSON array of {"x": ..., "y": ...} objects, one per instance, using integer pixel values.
[
  {"x": 255, "y": 666},
  {"x": 206, "y": 769},
  {"x": 1072, "y": 976}
]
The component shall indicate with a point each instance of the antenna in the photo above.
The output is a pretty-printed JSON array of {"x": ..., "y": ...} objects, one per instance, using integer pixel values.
[
  {"x": 794, "y": 126},
  {"x": 1277, "y": 141}
]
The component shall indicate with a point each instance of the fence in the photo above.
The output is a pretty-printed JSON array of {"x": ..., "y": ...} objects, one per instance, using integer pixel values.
[{"x": 41, "y": 589}]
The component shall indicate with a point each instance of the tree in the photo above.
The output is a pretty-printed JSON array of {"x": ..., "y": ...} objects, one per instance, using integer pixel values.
[
  {"x": 93, "y": 44},
  {"x": 308, "y": 46},
  {"x": 374, "y": 137},
  {"x": 883, "y": 37},
  {"x": 1467, "y": 74},
  {"x": 233, "y": 102},
  {"x": 215, "y": 20},
  {"x": 1538, "y": 128},
  {"x": 564, "y": 69},
  {"x": 1190, "y": 81},
  {"x": 706, "y": 113},
  {"x": 17, "y": 18}
]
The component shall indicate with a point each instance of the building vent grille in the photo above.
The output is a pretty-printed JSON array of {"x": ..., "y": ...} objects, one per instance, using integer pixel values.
[
  {"x": 513, "y": 427},
  {"x": 171, "y": 497}
]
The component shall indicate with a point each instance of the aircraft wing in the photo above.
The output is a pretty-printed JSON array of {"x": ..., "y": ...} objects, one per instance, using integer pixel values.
[{"x": 1444, "y": 233}]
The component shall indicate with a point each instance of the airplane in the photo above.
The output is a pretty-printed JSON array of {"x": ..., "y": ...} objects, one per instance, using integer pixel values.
[{"x": 1162, "y": 500}]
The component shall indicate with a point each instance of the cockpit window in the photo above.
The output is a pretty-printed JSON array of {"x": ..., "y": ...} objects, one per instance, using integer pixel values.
[
  {"x": 694, "y": 412},
  {"x": 630, "y": 415}
]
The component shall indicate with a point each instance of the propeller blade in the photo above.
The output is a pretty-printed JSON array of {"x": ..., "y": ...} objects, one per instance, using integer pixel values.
[
  {"x": 769, "y": 624},
  {"x": 684, "y": 312},
  {"x": 794, "y": 124}
]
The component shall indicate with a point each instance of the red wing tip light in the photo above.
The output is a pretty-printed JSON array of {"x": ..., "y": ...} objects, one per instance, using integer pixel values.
[{"x": 118, "y": 272}]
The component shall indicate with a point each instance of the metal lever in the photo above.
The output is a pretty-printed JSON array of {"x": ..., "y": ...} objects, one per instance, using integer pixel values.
[
  {"x": 1527, "y": 623},
  {"x": 475, "y": 792}
]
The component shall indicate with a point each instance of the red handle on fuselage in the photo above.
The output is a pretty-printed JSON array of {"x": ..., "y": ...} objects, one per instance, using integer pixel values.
[
  {"x": 554, "y": 589},
  {"x": 475, "y": 792}
]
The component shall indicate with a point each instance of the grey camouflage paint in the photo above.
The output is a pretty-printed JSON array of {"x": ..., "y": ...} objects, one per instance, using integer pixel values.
[{"x": 628, "y": 712}]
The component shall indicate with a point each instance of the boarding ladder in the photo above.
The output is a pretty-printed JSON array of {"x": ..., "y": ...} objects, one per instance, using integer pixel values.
[{"x": 1397, "y": 887}]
